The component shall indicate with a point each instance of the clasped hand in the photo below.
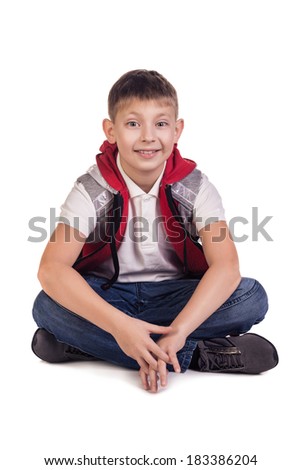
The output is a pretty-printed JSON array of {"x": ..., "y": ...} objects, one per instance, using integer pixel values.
[
  {"x": 133, "y": 336},
  {"x": 170, "y": 343}
]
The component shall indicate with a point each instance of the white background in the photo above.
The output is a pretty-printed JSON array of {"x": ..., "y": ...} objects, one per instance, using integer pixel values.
[{"x": 236, "y": 66}]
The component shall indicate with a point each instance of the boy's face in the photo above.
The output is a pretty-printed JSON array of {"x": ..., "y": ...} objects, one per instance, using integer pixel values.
[{"x": 145, "y": 132}]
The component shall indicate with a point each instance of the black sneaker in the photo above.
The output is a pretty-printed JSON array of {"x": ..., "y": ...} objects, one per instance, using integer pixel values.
[
  {"x": 49, "y": 349},
  {"x": 247, "y": 354}
]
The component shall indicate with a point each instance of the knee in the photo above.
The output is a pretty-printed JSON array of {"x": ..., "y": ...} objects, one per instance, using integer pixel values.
[
  {"x": 256, "y": 298},
  {"x": 40, "y": 308},
  {"x": 261, "y": 300}
]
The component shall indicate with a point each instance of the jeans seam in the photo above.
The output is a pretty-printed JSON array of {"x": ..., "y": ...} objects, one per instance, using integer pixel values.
[
  {"x": 241, "y": 298},
  {"x": 187, "y": 355}
]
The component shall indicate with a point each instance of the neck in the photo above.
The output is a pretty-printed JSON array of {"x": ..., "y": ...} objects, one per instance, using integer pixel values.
[{"x": 145, "y": 180}]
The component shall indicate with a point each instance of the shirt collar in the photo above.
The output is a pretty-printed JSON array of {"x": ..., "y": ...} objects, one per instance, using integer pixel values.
[{"x": 134, "y": 189}]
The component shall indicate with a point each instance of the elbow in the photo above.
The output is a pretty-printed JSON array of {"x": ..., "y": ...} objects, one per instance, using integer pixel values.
[
  {"x": 228, "y": 272},
  {"x": 51, "y": 274},
  {"x": 236, "y": 282},
  {"x": 233, "y": 275},
  {"x": 45, "y": 274},
  {"x": 41, "y": 275}
]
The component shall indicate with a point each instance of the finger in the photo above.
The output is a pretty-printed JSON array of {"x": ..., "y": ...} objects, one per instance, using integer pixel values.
[
  {"x": 143, "y": 365},
  {"x": 159, "y": 353},
  {"x": 173, "y": 360},
  {"x": 161, "y": 330},
  {"x": 153, "y": 379},
  {"x": 162, "y": 371},
  {"x": 150, "y": 360},
  {"x": 144, "y": 379}
]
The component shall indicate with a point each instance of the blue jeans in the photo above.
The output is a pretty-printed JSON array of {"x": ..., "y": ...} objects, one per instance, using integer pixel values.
[{"x": 153, "y": 302}]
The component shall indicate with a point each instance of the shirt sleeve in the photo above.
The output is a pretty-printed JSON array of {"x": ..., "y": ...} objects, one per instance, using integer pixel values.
[
  {"x": 208, "y": 206},
  {"x": 78, "y": 210}
]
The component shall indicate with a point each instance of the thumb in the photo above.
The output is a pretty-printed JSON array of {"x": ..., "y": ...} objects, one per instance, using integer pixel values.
[{"x": 161, "y": 330}]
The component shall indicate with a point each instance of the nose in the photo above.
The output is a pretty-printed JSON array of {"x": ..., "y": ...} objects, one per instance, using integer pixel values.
[{"x": 147, "y": 134}]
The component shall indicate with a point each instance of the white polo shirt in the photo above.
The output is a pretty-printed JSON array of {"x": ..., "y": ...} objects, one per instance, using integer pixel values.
[{"x": 144, "y": 254}]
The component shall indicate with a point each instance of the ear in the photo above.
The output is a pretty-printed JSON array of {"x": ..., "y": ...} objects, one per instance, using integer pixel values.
[
  {"x": 108, "y": 128},
  {"x": 179, "y": 129}
]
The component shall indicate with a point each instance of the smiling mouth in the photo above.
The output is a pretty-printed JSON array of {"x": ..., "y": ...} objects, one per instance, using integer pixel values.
[{"x": 147, "y": 153}]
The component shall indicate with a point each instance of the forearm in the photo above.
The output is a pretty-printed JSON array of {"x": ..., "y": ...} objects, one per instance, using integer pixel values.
[
  {"x": 215, "y": 287},
  {"x": 67, "y": 287}
]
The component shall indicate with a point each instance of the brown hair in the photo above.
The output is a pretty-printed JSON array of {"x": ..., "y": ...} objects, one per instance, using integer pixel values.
[{"x": 141, "y": 84}]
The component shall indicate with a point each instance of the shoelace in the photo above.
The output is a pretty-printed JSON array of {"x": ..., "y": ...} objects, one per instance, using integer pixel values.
[
  {"x": 76, "y": 352},
  {"x": 220, "y": 359}
]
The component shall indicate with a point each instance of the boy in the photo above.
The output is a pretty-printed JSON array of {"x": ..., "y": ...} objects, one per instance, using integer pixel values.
[{"x": 143, "y": 271}]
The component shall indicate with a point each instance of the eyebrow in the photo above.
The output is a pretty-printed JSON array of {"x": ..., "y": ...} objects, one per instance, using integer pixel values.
[{"x": 134, "y": 113}]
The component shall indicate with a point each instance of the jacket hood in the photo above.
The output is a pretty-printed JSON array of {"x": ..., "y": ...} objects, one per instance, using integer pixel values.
[{"x": 176, "y": 168}]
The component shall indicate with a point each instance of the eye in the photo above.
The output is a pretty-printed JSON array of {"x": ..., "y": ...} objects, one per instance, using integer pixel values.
[
  {"x": 132, "y": 124},
  {"x": 162, "y": 124}
]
